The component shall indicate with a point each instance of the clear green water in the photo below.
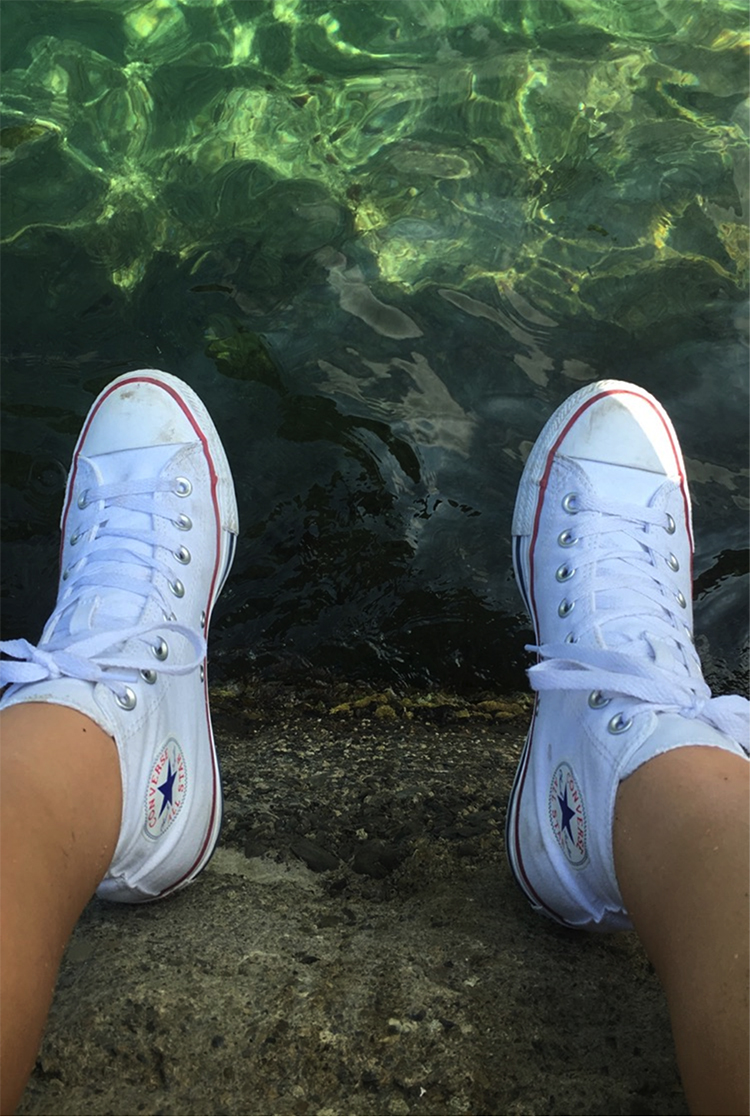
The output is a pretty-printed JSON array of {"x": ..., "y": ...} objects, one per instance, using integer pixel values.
[{"x": 383, "y": 240}]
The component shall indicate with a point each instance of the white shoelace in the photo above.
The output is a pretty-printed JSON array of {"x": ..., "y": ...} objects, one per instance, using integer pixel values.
[
  {"x": 107, "y": 568},
  {"x": 655, "y": 665}
]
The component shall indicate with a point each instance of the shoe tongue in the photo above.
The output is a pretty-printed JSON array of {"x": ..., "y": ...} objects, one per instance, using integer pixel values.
[
  {"x": 624, "y": 485},
  {"x": 132, "y": 464},
  {"x": 109, "y": 606}
]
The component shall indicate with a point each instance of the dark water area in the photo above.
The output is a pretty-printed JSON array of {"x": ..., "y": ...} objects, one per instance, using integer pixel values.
[{"x": 383, "y": 241}]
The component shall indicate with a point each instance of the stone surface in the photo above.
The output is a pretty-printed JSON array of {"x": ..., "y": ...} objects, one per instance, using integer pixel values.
[{"x": 371, "y": 955}]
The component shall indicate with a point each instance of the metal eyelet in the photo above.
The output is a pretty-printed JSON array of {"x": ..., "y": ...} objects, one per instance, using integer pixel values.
[
  {"x": 183, "y": 522},
  {"x": 66, "y": 574},
  {"x": 202, "y": 672},
  {"x": 681, "y": 599},
  {"x": 597, "y": 701},
  {"x": 161, "y": 650},
  {"x": 569, "y": 502},
  {"x": 619, "y": 724},
  {"x": 128, "y": 700},
  {"x": 564, "y": 573},
  {"x": 203, "y": 618},
  {"x": 565, "y": 607},
  {"x": 182, "y": 487},
  {"x": 148, "y": 676},
  {"x": 671, "y": 526},
  {"x": 571, "y": 639},
  {"x": 673, "y": 563},
  {"x": 74, "y": 538},
  {"x": 689, "y": 634},
  {"x": 182, "y": 554},
  {"x": 83, "y": 499},
  {"x": 566, "y": 538},
  {"x": 177, "y": 588}
]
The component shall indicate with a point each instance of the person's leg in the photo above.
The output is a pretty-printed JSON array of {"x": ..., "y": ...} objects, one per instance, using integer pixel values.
[
  {"x": 681, "y": 847},
  {"x": 110, "y": 778},
  {"x": 60, "y": 807},
  {"x": 629, "y": 806}
]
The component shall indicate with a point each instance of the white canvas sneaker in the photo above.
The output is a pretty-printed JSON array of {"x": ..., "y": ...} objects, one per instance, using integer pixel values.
[
  {"x": 149, "y": 526},
  {"x": 602, "y": 553}
]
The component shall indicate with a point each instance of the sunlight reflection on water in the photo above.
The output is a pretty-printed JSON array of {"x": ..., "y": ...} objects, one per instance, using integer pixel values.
[{"x": 384, "y": 241}]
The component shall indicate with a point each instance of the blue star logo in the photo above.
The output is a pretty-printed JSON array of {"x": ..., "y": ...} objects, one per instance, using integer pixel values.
[
  {"x": 166, "y": 789},
  {"x": 566, "y": 811}
]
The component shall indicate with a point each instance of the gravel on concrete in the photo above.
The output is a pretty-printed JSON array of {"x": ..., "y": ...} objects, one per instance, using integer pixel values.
[{"x": 357, "y": 945}]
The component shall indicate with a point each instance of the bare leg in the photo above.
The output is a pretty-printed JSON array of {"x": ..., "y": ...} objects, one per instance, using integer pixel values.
[
  {"x": 168, "y": 485},
  {"x": 61, "y": 806},
  {"x": 681, "y": 855}
]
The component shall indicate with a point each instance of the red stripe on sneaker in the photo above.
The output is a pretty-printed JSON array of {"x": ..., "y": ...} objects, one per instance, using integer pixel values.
[
  {"x": 115, "y": 387},
  {"x": 517, "y": 790},
  {"x": 551, "y": 456}
]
